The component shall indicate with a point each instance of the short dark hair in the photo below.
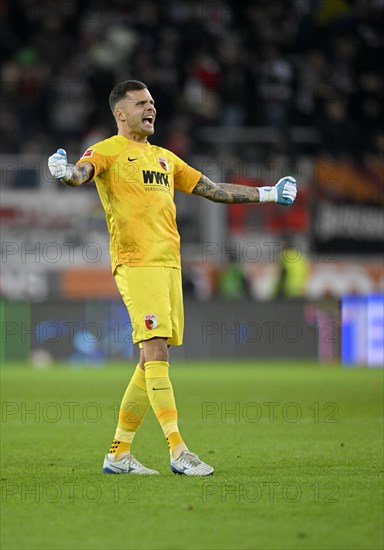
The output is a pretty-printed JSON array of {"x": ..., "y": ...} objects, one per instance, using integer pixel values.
[{"x": 121, "y": 89}]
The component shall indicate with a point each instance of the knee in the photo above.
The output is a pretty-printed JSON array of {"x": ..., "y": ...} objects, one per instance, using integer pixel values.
[{"x": 155, "y": 350}]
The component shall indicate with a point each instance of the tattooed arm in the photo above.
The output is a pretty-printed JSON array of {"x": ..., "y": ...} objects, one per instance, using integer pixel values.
[
  {"x": 284, "y": 192},
  {"x": 225, "y": 192},
  {"x": 79, "y": 174},
  {"x": 72, "y": 175}
]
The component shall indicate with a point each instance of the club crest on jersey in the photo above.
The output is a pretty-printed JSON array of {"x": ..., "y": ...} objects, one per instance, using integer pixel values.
[
  {"x": 164, "y": 164},
  {"x": 150, "y": 321},
  {"x": 88, "y": 153}
]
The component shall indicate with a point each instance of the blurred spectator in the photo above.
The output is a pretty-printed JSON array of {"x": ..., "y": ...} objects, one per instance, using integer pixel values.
[
  {"x": 339, "y": 135},
  {"x": 24, "y": 77},
  {"x": 233, "y": 284},
  {"x": 293, "y": 270},
  {"x": 70, "y": 104},
  {"x": 275, "y": 82}
]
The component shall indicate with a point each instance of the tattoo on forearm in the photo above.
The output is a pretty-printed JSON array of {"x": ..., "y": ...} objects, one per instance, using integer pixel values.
[
  {"x": 246, "y": 197},
  {"x": 204, "y": 187},
  {"x": 225, "y": 192},
  {"x": 81, "y": 173},
  {"x": 220, "y": 196}
]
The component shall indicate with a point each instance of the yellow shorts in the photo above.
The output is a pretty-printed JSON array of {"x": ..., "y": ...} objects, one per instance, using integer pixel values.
[{"x": 154, "y": 299}]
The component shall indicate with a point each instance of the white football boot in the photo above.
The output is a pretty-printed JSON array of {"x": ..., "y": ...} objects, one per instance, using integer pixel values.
[
  {"x": 189, "y": 464},
  {"x": 126, "y": 465}
]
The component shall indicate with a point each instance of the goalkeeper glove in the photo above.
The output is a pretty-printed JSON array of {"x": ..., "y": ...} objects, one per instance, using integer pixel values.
[
  {"x": 284, "y": 192},
  {"x": 58, "y": 165}
]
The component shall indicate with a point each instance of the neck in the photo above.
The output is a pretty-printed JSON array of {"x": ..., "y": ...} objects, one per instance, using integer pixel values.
[{"x": 139, "y": 138}]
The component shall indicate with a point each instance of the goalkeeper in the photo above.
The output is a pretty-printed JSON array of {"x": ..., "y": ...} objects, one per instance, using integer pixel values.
[{"x": 136, "y": 182}]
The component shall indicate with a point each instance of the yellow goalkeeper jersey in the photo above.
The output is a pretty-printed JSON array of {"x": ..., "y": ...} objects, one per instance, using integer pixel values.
[{"x": 136, "y": 183}]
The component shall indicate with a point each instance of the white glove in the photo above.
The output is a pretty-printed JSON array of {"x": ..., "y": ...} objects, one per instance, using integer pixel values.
[
  {"x": 284, "y": 192},
  {"x": 58, "y": 165}
]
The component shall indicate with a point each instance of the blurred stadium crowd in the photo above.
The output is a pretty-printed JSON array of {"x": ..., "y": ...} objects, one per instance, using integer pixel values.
[
  {"x": 271, "y": 64},
  {"x": 246, "y": 91}
]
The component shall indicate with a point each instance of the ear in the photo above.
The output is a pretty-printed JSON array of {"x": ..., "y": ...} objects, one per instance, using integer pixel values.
[{"x": 120, "y": 115}]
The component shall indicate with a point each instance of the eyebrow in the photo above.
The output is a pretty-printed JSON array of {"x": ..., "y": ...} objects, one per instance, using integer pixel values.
[{"x": 142, "y": 101}]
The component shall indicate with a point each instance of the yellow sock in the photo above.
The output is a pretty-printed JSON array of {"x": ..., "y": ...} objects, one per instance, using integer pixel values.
[
  {"x": 133, "y": 408},
  {"x": 160, "y": 393},
  {"x": 118, "y": 447}
]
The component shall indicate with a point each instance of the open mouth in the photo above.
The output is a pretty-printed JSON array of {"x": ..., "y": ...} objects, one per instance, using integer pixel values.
[{"x": 148, "y": 121}]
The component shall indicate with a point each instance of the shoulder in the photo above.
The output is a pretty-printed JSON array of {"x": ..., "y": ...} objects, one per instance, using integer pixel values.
[{"x": 109, "y": 146}]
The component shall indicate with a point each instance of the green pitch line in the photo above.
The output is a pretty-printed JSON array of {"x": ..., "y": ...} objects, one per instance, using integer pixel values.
[{"x": 297, "y": 452}]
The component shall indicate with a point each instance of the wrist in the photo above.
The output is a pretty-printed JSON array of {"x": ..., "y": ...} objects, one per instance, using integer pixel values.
[
  {"x": 267, "y": 194},
  {"x": 69, "y": 172}
]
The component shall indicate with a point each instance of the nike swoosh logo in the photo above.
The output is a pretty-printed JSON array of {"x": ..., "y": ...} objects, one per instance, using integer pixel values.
[
  {"x": 122, "y": 469},
  {"x": 130, "y": 160},
  {"x": 155, "y": 389},
  {"x": 181, "y": 468}
]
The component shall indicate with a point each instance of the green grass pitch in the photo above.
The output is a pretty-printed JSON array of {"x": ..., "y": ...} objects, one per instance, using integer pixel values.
[{"x": 297, "y": 451}]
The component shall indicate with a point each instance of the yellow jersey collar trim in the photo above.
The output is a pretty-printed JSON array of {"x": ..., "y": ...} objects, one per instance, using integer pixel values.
[{"x": 133, "y": 142}]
